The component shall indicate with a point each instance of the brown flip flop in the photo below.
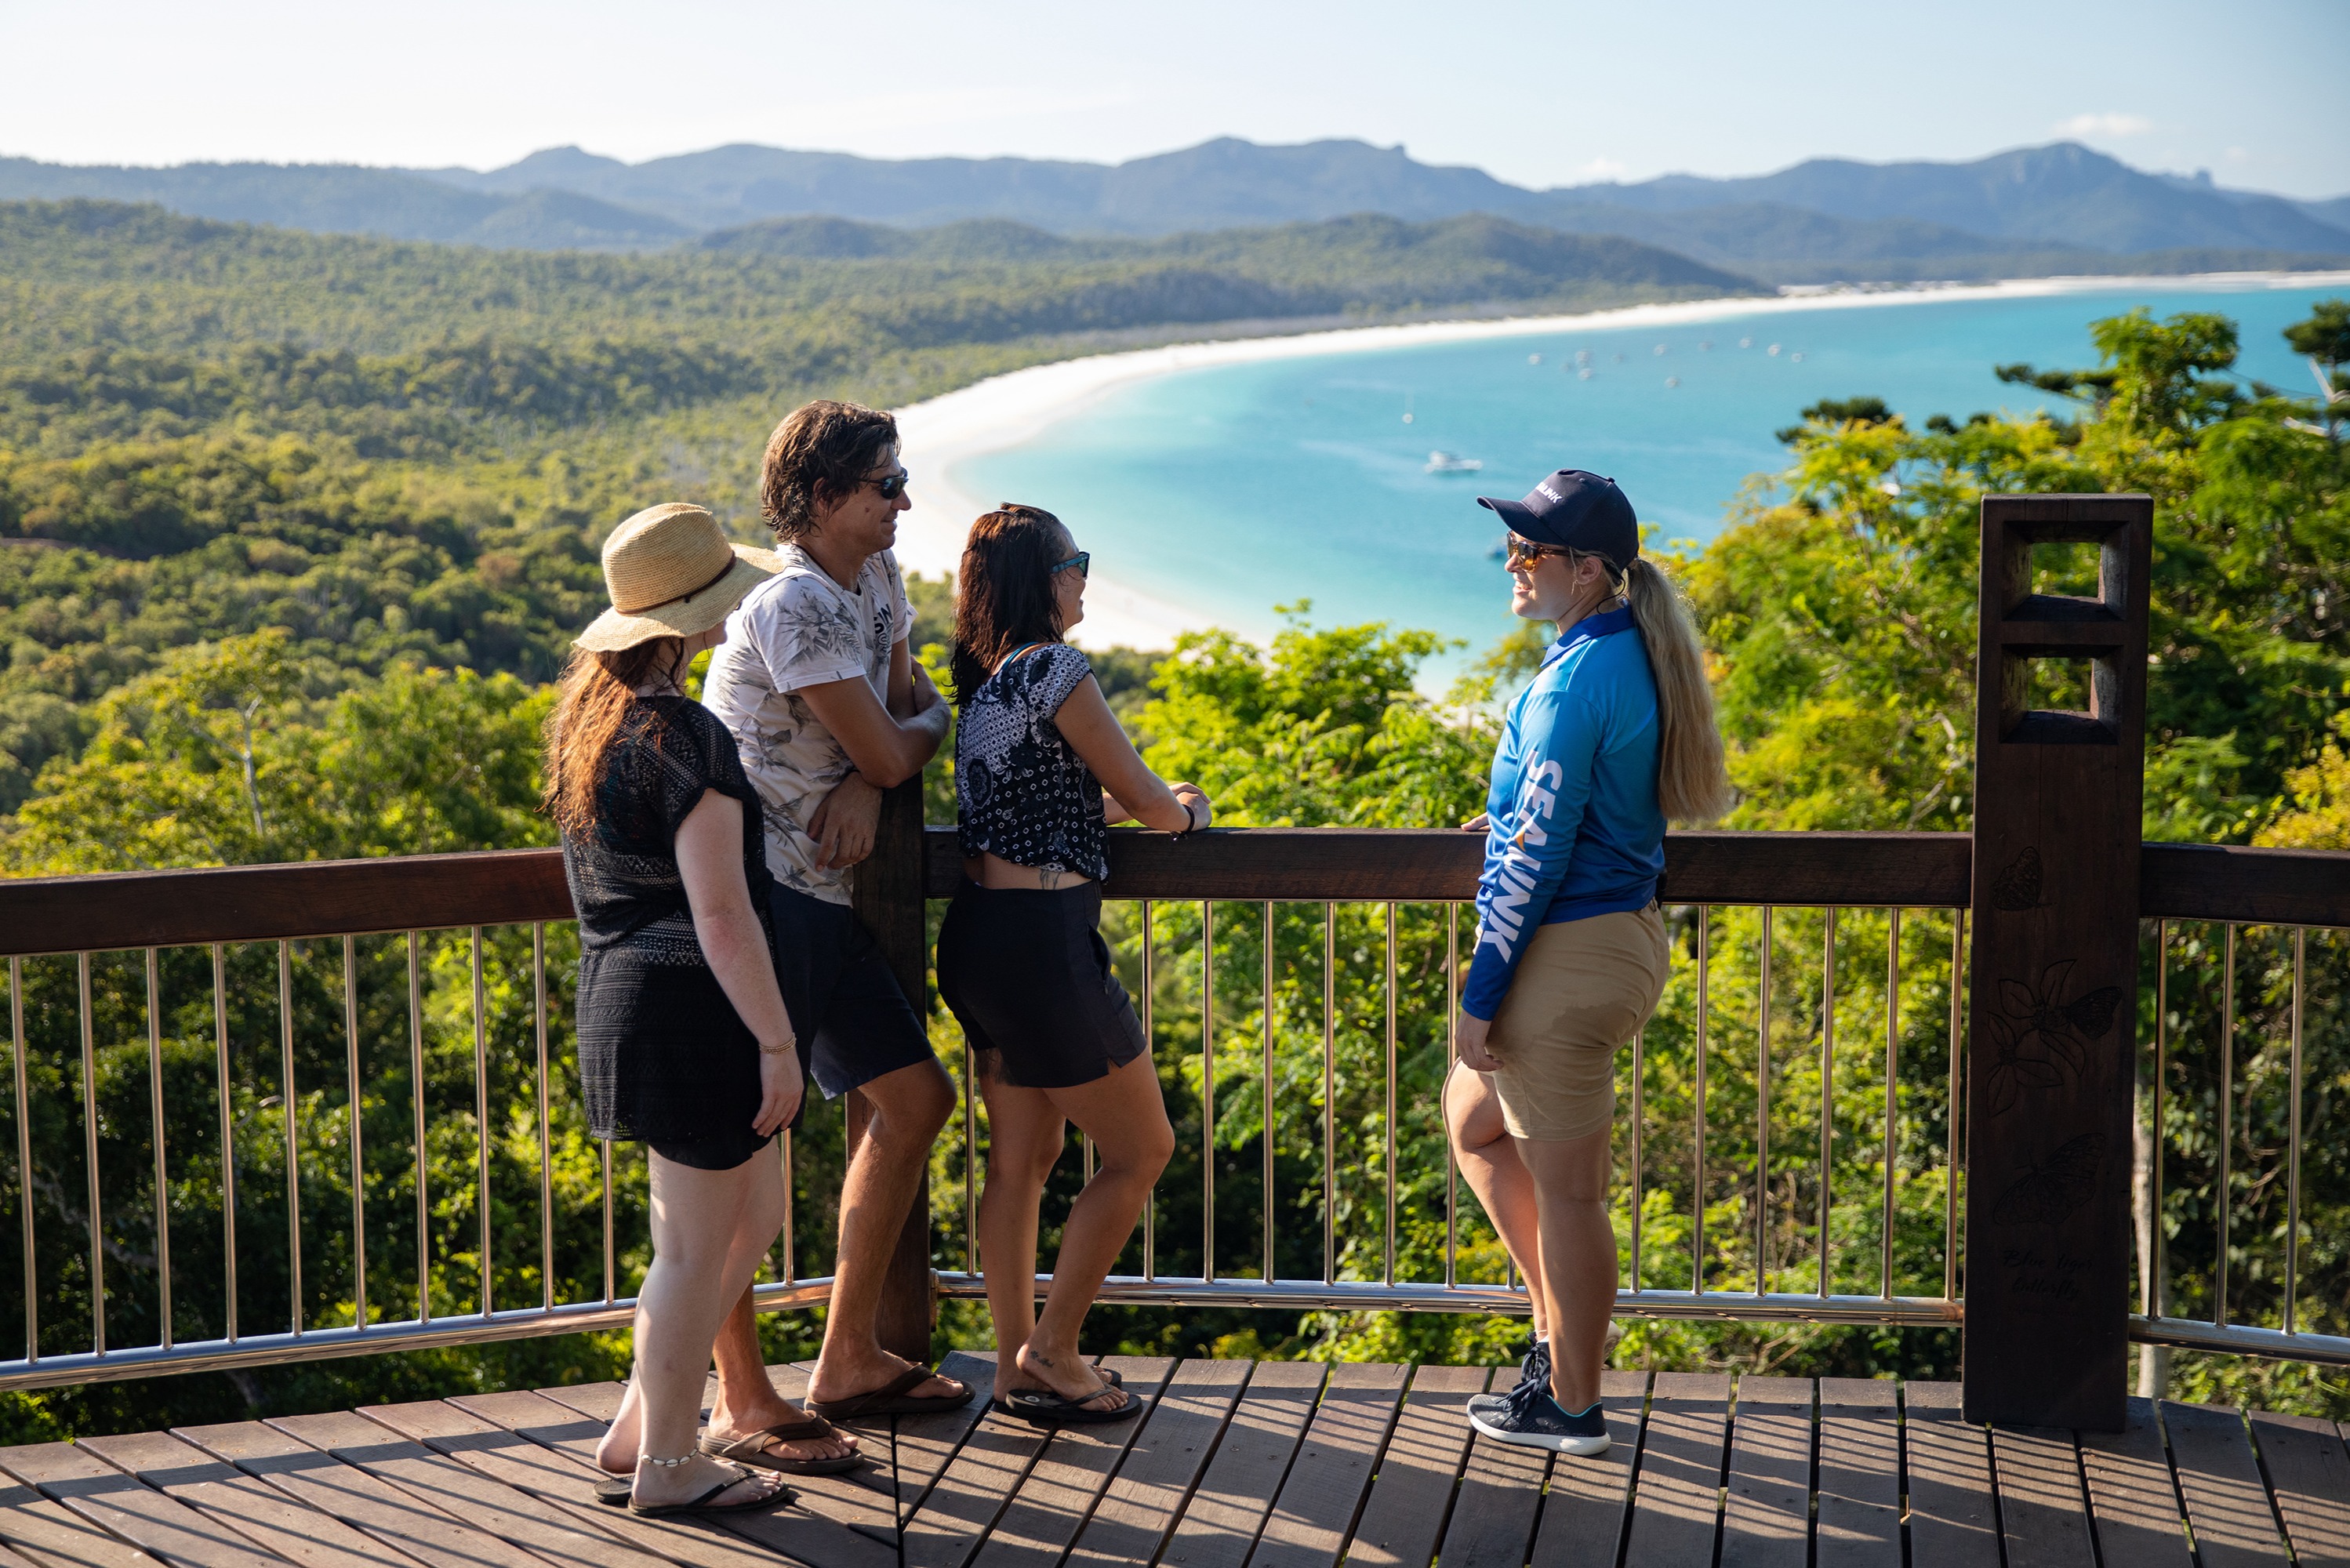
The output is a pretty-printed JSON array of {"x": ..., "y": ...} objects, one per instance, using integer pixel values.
[
  {"x": 892, "y": 1399},
  {"x": 752, "y": 1449}
]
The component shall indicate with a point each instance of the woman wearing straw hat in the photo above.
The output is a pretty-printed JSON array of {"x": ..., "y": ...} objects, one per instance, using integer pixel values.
[{"x": 683, "y": 1040}]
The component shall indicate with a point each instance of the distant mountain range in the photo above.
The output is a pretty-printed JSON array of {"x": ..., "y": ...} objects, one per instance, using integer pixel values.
[{"x": 2055, "y": 208}]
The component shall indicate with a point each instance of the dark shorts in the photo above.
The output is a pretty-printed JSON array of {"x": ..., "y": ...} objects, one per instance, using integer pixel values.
[
  {"x": 854, "y": 1024},
  {"x": 1029, "y": 979},
  {"x": 722, "y": 1152}
]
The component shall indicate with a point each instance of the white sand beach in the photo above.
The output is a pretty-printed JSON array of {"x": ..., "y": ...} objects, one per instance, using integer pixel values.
[{"x": 941, "y": 435}]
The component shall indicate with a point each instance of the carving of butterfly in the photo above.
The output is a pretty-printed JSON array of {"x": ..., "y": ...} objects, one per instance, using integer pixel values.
[
  {"x": 2050, "y": 1191},
  {"x": 2018, "y": 887}
]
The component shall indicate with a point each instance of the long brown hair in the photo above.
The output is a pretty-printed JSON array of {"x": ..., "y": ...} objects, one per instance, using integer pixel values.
[
  {"x": 1692, "y": 783},
  {"x": 1003, "y": 597},
  {"x": 591, "y": 708}
]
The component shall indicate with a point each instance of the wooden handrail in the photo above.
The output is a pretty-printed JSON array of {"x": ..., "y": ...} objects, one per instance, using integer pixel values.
[{"x": 512, "y": 886}]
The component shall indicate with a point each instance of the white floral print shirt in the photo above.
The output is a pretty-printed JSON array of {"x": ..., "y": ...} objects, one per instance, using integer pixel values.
[{"x": 796, "y": 630}]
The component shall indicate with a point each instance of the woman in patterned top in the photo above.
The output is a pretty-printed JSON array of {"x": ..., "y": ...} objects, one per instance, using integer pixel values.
[
  {"x": 1041, "y": 767},
  {"x": 683, "y": 1039}
]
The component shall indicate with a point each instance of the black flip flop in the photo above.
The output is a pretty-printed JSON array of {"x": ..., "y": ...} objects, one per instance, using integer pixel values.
[
  {"x": 752, "y": 1449},
  {"x": 894, "y": 1397},
  {"x": 613, "y": 1492},
  {"x": 1044, "y": 1407},
  {"x": 781, "y": 1496},
  {"x": 1109, "y": 1376}
]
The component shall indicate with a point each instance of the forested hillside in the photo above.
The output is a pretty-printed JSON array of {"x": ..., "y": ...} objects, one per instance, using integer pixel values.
[{"x": 407, "y": 451}]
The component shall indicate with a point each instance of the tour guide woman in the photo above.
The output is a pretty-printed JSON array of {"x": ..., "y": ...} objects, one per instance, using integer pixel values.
[
  {"x": 683, "y": 1039},
  {"x": 1615, "y": 735},
  {"x": 1021, "y": 963}
]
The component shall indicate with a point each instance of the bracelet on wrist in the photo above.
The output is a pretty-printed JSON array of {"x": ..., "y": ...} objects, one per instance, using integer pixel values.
[{"x": 787, "y": 1047}]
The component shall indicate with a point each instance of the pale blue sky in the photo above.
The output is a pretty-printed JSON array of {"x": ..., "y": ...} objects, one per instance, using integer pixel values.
[{"x": 1538, "y": 91}]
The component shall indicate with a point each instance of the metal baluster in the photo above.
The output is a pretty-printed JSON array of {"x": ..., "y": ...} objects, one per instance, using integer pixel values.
[
  {"x": 970, "y": 1162},
  {"x": 1827, "y": 1101},
  {"x": 546, "y": 1154},
  {"x": 1892, "y": 1075},
  {"x": 481, "y": 1111},
  {"x": 416, "y": 1096},
  {"x": 358, "y": 1167},
  {"x": 1951, "y": 1107},
  {"x": 1763, "y": 1122},
  {"x": 2227, "y": 1114},
  {"x": 155, "y": 1116},
  {"x": 1452, "y": 1055},
  {"x": 293, "y": 1132},
  {"x": 1704, "y": 967},
  {"x": 1640, "y": 1135},
  {"x": 2154, "y": 1303},
  {"x": 791, "y": 1247},
  {"x": 90, "y": 1142},
  {"x": 610, "y": 1294},
  {"x": 1329, "y": 1091},
  {"x": 1207, "y": 1090},
  {"x": 1150, "y": 1049},
  {"x": 1391, "y": 1271},
  {"x": 227, "y": 1144},
  {"x": 1267, "y": 1141},
  {"x": 24, "y": 1159},
  {"x": 2293, "y": 1141}
]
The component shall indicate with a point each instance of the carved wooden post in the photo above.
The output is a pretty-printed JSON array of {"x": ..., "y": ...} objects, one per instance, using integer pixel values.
[
  {"x": 2055, "y": 980},
  {"x": 887, "y": 891}
]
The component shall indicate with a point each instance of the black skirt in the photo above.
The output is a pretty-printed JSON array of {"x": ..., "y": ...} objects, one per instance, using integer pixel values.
[
  {"x": 662, "y": 1055},
  {"x": 1028, "y": 977}
]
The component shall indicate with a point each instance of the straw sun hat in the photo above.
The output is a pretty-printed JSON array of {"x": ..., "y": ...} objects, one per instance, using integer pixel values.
[{"x": 671, "y": 572}]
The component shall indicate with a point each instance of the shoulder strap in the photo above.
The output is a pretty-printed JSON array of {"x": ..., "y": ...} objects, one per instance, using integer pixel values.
[{"x": 1016, "y": 653}]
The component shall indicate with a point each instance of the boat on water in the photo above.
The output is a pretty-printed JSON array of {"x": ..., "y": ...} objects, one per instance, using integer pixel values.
[{"x": 1453, "y": 463}]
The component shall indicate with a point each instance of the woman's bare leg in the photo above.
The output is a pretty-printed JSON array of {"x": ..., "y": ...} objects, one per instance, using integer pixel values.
[
  {"x": 1125, "y": 1115},
  {"x": 701, "y": 1220},
  {"x": 1024, "y": 1136},
  {"x": 1578, "y": 1258},
  {"x": 1489, "y": 1159}
]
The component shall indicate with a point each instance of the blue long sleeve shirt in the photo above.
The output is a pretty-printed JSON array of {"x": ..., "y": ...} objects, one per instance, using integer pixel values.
[{"x": 1575, "y": 829}]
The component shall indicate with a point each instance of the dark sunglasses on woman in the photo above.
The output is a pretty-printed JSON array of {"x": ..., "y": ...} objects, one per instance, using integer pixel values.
[
  {"x": 1081, "y": 560},
  {"x": 1524, "y": 554},
  {"x": 890, "y": 486}
]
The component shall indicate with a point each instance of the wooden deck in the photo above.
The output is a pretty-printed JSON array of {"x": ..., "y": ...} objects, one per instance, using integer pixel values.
[{"x": 1268, "y": 1464}]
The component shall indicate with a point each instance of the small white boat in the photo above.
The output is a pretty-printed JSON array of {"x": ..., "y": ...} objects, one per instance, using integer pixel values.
[{"x": 1452, "y": 462}]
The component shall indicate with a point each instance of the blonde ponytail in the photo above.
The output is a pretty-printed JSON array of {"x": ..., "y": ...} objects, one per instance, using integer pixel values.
[{"x": 1693, "y": 786}]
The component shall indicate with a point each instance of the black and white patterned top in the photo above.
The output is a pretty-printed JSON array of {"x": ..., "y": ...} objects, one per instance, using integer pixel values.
[{"x": 1021, "y": 790}]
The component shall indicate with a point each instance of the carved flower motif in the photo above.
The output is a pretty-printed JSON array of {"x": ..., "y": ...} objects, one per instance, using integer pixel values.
[{"x": 2040, "y": 1039}]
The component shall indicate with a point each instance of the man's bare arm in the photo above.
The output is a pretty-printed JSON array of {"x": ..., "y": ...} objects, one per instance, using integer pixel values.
[{"x": 888, "y": 751}]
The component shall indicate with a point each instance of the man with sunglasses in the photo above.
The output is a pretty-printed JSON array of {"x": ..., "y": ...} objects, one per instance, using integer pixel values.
[{"x": 829, "y": 708}]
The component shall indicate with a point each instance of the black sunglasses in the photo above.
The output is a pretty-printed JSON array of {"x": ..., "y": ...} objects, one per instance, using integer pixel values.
[
  {"x": 890, "y": 486},
  {"x": 1081, "y": 560}
]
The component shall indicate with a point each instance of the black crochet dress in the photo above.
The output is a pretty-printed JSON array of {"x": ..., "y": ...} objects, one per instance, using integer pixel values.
[{"x": 663, "y": 1056}]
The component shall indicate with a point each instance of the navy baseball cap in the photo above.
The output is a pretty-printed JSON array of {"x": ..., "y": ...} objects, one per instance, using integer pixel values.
[{"x": 1575, "y": 511}]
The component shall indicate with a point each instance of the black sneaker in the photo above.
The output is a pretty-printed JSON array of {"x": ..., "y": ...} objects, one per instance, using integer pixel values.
[
  {"x": 1528, "y": 1416},
  {"x": 1533, "y": 1370}
]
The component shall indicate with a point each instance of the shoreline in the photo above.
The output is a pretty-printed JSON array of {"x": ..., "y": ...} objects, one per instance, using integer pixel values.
[{"x": 941, "y": 433}]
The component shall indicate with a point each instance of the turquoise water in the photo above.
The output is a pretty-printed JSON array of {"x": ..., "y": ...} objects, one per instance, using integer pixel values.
[{"x": 1231, "y": 489}]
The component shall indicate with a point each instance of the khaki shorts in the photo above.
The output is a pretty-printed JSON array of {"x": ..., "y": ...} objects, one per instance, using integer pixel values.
[{"x": 1584, "y": 989}]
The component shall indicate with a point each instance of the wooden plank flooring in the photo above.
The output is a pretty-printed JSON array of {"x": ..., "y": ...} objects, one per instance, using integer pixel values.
[{"x": 1231, "y": 1465}]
